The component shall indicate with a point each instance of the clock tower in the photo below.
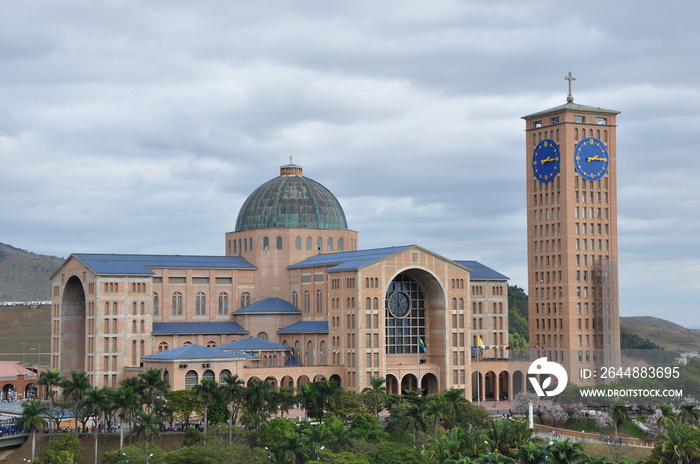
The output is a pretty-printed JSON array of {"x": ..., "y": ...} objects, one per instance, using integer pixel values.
[{"x": 571, "y": 171}]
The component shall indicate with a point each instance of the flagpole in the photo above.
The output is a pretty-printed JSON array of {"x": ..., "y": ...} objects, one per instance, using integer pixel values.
[{"x": 478, "y": 378}]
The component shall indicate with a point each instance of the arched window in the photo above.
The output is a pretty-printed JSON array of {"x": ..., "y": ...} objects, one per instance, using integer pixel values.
[
  {"x": 307, "y": 302},
  {"x": 279, "y": 242},
  {"x": 208, "y": 374},
  {"x": 133, "y": 308},
  {"x": 166, "y": 377},
  {"x": 245, "y": 299},
  {"x": 162, "y": 346},
  {"x": 222, "y": 377},
  {"x": 107, "y": 308},
  {"x": 319, "y": 244},
  {"x": 133, "y": 326},
  {"x": 115, "y": 308},
  {"x": 211, "y": 344},
  {"x": 454, "y": 303},
  {"x": 143, "y": 326},
  {"x": 156, "y": 304},
  {"x": 297, "y": 350},
  {"x": 319, "y": 301},
  {"x": 177, "y": 304},
  {"x": 368, "y": 303},
  {"x": 341, "y": 244},
  {"x": 330, "y": 243},
  {"x": 324, "y": 359},
  {"x": 375, "y": 303},
  {"x": 262, "y": 336},
  {"x": 266, "y": 243},
  {"x": 295, "y": 299},
  {"x": 229, "y": 247},
  {"x": 143, "y": 308},
  {"x": 201, "y": 304},
  {"x": 309, "y": 243},
  {"x": 133, "y": 352},
  {"x": 223, "y": 303},
  {"x": 309, "y": 353},
  {"x": 191, "y": 379},
  {"x": 297, "y": 243}
]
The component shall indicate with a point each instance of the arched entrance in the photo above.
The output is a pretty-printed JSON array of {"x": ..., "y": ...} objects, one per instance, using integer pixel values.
[
  {"x": 409, "y": 382},
  {"x": 503, "y": 391},
  {"x": 392, "y": 384},
  {"x": 287, "y": 382},
  {"x": 335, "y": 378},
  {"x": 9, "y": 393},
  {"x": 430, "y": 384},
  {"x": 518, "y": 382},
  {"x": 73, "y": 326},
  {"x": 490, "y": 386}
]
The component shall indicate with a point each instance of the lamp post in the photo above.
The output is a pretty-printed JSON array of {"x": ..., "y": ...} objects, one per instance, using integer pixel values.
[
  {"x": 126, "y": 457},
  {"x": 149, "y": 457},
  {"x": 269, "y": 455},
  {"x": 318, "y": 453},
  {"x": 23, "y": 345},
  {"x": 490, "y": 457},
  {"x": 545, "y": 450}
]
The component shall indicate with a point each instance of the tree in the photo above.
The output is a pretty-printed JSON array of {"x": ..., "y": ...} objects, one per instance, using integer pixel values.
[
  {"x": 50, "y": 379},
  {"x": 151, "y": 386},
  {"x": 376, "y": 394},
  {"x": 232, "y": 394},
  {"x": 529, "y": 453},
  {"x": 565, "y": 452},
  {"x": 208, "y": 392},
  {"x": 61, "y": 445},
  {"x": 417, "y": 420},
  {"x": 619, "y": 414},
  {"x": 33, "y": 417},
  {"x": 74, "y": 390},
  {"x": 437, "y": 410},
  {"x": 96, "y": 402},
  {"x": 148, "y": 424},
  {"x": 689, "y": 414},
  {"x": 256, "y": 395},
  {"x": 679, "y": 445},
  {"x": 127, "y": 401},
  {"x": 294, "y": 449}
]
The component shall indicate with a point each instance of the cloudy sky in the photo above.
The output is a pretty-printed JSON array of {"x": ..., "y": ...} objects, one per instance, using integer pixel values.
[{"x": 141, "y": 127}]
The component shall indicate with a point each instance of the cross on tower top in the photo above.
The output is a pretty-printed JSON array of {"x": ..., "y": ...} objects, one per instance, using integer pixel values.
[{"x": 570, "y": 78}]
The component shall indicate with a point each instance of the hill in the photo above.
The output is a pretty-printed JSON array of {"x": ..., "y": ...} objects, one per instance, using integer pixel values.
[
  {"x": 666, "y": 334},
  {"x": 24, "y": 276}
]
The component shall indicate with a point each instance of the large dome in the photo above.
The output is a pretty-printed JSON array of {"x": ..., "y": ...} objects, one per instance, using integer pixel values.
[{"x": 291, "y": 201}]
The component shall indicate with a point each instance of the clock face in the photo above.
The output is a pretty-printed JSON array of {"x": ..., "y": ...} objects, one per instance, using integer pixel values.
[
  {"x": 591, "y": 158},
  {"x": 399, "y": 304},
  {"x": 545, "y": 161}
]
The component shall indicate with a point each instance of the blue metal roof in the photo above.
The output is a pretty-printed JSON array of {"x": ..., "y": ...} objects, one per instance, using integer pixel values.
[
  {"x": 306, "y": 327},
  {"x": 269, "y": 306},
  {"x": 184, "y": 328},
  {"x": 252, "y": 344},
  {"x": 192, "y": 352},
  {"x": 349, "y": 260},
  {"x": 142, "y": 264},
  {"x": 479, "y": 271}
]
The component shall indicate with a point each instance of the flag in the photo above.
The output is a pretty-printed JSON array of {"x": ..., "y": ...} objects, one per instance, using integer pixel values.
[
  {"x": 421, "y": 345},
  {"x": 481, "y": 343}
]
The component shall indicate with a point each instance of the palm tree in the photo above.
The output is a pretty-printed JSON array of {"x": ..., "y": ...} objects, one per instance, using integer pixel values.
[
  {"x": 417, "y": 419},
  {"x": 232, "y": 394},
  {"x": 50, "y": 379},
  {"x": 619, "y": 415},
  {"x": 148, "y": 424},
  {"x": 96, "y": 401},
  {"x": 530, "y": 453},
  {"x": 437, "y": 410},
  {"x": 32, "y": 418},
  {"x": 127, "y": 401},
  {"x": 689, "y": 414},
  {"x": 668, "y": 417},
  {"x": 456, "y": 402},
  {"x": 376, "y": 393},
  {"x": 151, "y": 386},
  {"x": 74, "y": 390},
  {"x": 285, "y": 399},
  {"x": 295, "y": 449},
  {"x": 565, "y": 452},
  {"x": 256, "y": 395},
  {"x": 680, "y": 445},
  {"x": 208, "y": 392}
]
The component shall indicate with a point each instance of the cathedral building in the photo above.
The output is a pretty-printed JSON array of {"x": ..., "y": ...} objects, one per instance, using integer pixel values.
[{"x": 292, "y": 300}]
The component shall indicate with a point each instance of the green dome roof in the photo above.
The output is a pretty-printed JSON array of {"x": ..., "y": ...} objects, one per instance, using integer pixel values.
[{"x": 291, "y": 201}]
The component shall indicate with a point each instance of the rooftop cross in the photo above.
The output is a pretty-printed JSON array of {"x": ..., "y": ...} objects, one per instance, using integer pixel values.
[{"x": 570, "y": 78}]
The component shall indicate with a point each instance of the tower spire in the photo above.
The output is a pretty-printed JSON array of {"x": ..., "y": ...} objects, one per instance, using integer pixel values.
[{"x": 570, "y": 78}]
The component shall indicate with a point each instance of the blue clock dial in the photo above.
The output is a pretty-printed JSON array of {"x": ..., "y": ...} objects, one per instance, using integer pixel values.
[
  {"x": 399, "y": 304},
  {"x": 591, "y": 158},
  {"x": 545, "y": 161}
]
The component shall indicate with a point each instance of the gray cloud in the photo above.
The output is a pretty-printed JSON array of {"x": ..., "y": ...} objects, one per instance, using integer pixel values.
[{"x": 142, "y": 127}]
